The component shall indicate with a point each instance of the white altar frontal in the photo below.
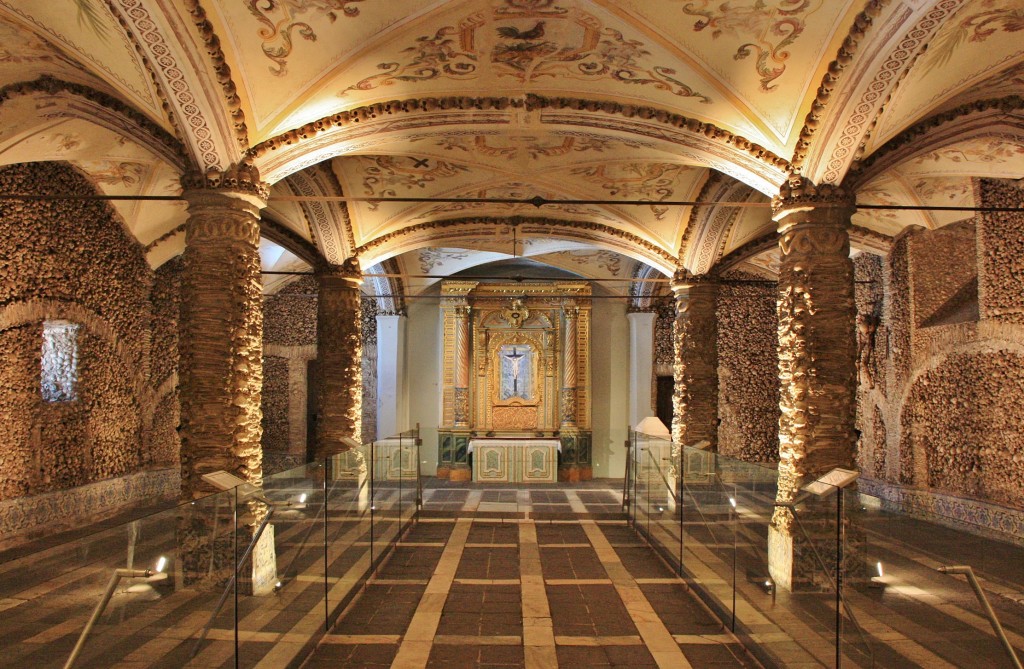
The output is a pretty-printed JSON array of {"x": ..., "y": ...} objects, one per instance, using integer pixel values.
[{"x": 525, "y": 460}]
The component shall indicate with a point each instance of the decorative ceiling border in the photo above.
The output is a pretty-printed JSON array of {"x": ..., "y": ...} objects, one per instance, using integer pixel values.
[
  {"x": 714, "y": 181},
  {"x": 324, "y": 218},
  {"x": 860, "y": 112},
  {"x": 711, "y": 223},
  {"x": 150, "y": 70},
  {"x": 525, "y": 221},
  {"x": 222, "y": 70},
  {"x": 642, "y": 293},
  {"x": 748, "y": 250},
  {"x": 163, "y": 143},
  {"x": 694, "y": 126},
  {"x": 199, "y": 135},
  {"x": 957, "y": 125},
  {"x": 390, "y": 292},
  {"x": 864, "y": 21},
  {"x": 332, "y": 180},
  {"x": 529, "y": 102},
  {"x": 369, "y": 113}
]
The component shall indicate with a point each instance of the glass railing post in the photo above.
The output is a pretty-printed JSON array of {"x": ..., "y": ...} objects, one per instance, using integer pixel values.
[
  {"x": 373, "y": 502},
  {"x": 234, "y": 547},
  {"x": 840, "y": 545},
  {"x": 328, "y": 475},
  {"x": 419, "y": 478},
  {"x": 680, "y": 505},
  {"x": 401, "y": 468}
]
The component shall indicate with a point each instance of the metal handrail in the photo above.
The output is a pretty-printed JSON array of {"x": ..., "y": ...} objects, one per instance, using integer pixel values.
[{"x": 990, "y": 613}]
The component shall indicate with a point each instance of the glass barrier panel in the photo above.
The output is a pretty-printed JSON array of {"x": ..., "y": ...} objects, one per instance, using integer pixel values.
[
  {"x": 708, "y": 528},
  {"x": 282, "y": 598},
  {"x": 385, "y": 496},
  {"x": 349, "y": 528},
  {"x": 786, "y": 564},
  {"x": 131, "y": 593},
  {"x": 912, "y": 611}
]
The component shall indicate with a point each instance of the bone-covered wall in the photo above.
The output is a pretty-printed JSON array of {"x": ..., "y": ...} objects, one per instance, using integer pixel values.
[
  {"x": 73, "y": 261},
  {"x": 941, "y": 395},
  {"x": 289, "y": 345},
  {"x": 748, "y": 381}
]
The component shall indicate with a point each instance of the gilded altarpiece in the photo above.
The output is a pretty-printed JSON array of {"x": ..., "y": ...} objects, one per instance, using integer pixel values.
[{"x": 516, "y": 365}]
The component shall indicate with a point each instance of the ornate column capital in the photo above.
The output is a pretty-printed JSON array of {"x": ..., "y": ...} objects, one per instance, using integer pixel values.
[
  {"x": 240, "y": 180},
  {"x": 347, "y": 275},
  {"x": 801, "y": 201},
  {"x": 683, "y": 280}
]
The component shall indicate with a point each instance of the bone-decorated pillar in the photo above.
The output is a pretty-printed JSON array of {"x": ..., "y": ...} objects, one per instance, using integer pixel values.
[
  {"x": 695, "y": 364},
  {"x": 817, "y": 360},
  {"x": 221, "y": 330},
  {"x": 221, "y": 373},
  {"x": 817, "y": 331},
  {"x": 339, "y": 398}
]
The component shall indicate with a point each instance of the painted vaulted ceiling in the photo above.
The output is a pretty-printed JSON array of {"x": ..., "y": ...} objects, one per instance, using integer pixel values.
[{"x": 604, "y": 101}]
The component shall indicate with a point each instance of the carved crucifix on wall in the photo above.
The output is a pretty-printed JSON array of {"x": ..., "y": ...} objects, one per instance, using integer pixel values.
[{"x": 516, "y": 372}]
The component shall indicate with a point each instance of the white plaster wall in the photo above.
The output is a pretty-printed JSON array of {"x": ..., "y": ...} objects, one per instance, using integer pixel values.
[
  {"x": 609, "y": 369},
  {"x": 609, "y": 381},
  {"x": 423, "y": 376}
]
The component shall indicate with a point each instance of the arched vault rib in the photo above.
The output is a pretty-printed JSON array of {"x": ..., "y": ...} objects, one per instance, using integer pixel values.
[
  {"x": 388, "y": 290},
  {"x": 464, "y": 231},
  {"x": 1000, "y": 117},
  {"x": 362, "y": 128},
  {"x": 710, "y": 224},
  {"x": 204, "y": 115},
  {"x": 642, "y": 291},
  {"x": 841, "y": 120},
  {"x": 71, "y": 100},
  {"x": 290, "y": 241},
  {"x": 328, "y": 221}
]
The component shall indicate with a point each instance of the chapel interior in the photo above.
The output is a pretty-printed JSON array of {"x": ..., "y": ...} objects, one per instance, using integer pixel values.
[{"x": 451, "y": 260}]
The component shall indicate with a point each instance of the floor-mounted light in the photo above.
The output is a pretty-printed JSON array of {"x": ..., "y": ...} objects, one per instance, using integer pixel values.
[{"x": 151, "y": 576}]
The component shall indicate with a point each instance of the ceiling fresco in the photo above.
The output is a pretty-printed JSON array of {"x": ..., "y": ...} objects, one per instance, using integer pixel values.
[
  {"x": 59, "y": 38},
  {"x": 981, "y": 39},
  {"x": 747, "y": 66},
  {"x": 939, "y": 178},
  {"x": 622, "y": 106}
]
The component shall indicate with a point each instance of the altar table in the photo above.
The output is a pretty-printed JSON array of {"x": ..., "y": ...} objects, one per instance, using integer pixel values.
[{"x": 515, "y": 460}]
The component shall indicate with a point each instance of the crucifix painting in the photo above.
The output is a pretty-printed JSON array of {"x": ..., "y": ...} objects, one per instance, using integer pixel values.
[{"x": 516, "y": 372}]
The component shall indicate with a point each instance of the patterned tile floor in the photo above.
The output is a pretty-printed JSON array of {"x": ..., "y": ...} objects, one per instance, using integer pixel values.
[
  {"x": 526, "y": 578},
  {"x": 500, "y": 576}
]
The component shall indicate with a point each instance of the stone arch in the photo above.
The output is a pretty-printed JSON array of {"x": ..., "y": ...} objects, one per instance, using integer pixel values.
[
  {"x": 644, "y": 293},
  {"x": 389, "y": 290},
  {"x": 372, "y": 125},
  {"x": 453, "y": 231},
  {"x": 78, "y": 101}
]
